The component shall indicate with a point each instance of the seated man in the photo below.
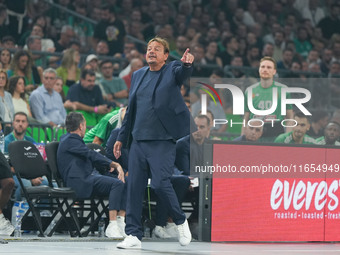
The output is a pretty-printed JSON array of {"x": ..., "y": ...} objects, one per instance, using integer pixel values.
[
  {"x": 114, "y": 88},
  {"x": 298, "y": 134},
  {"x": 75, "y": 163},
  {"x": 251, "y": 133},
  {"x": 6, "y": 188},
  {"x": 20, "y": 124},
  {"x": 46, "y": 104},
  {"x": 101, "y": 132},
  {"x": 87, "y": 98},
  {"x": 332, "y": 134}
]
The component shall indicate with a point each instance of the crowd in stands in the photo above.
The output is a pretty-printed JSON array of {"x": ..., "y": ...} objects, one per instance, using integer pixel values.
[{"x": 227, "y": 38}]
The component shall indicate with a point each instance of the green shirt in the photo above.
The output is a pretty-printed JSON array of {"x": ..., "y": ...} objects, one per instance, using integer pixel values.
[
  {"x": 288, "y": 138},
  {"x": 262, "y": 100},
  {"x": 103, "y": 129},
  {"x": 113, "y": 86}
]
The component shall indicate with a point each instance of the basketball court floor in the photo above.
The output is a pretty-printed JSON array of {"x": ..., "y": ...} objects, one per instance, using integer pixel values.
[{"x": 91, "y": 246}]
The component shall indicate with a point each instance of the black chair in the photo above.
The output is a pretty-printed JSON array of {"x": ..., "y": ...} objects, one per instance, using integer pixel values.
[
  {"x": 28, "y": 163},
  {"x": 95, "y": 206}
]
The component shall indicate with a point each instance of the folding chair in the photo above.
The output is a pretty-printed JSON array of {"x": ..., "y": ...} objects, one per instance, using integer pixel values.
[
  {"x": 96, "y": 206},
  {"x": 28, "y": 163}
]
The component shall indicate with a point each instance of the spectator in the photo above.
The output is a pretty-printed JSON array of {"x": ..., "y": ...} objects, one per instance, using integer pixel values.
[
  {"x": 313, "y": 12},
  {"x": 331, "y": 24},
  {"x": 231, "y": 49},
  {"x": 66, "y": 35},
  {"x": 69, "y": 71},
  {"x": 75, "y": 163},
  {"x": 46, "y": 44},
  {"x": 262, "y": 99},
  {"x": 320, "y": 120},
  {"x": 22, "y": 65},
  {"x": 199, "y": 68},
  {"x": 287, "y": 59},
  {"x": 233, "y": 71},
  {"x": 58, "y": 87},
  {"x": 252, "y": 133},
  {"x": 82, "y": 29},
  {"x": 6, "y": 103},
  {"x": 6, "y": 188},
  {"x": 331, "y": 135},
  {"x": 20, "y": 124},
  {"x": 326, "y": 58},
  {"x": 111, "y": 29},
  {"x": 88, "y": 98},
  {"x": 92, "y": 60},
  {"x": 268, "y": 50},
  {"x": 279, "y": 45},
  {"x": 46, "y": 104},
  {"x": 17, "y": 90},
  {"x": 211, "y": 55},
  {"x": 136, "y": 64},
  {"x": 114, "y": 88},
  {"x": 100, "y": 133},
  {"x": 5, "y": 59},
  {"x": 302, "y": 44},
  {"x": 313, "y": 57},
  {"x": 102, "y": 48},
  {"x": 336, "y": 51},
  {"x": 298, "y": 134},
  {"x": 8, "y": 42},
  {"x": 182, "y": 44}
]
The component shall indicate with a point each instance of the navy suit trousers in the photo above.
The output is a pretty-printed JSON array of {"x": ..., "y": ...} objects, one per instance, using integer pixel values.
[
  {"x": 158, "y": 157},
  {"x": 113, "y": 187}
]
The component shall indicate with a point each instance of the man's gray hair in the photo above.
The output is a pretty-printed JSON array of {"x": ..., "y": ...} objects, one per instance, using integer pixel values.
[{"x": 50, "y": 70}]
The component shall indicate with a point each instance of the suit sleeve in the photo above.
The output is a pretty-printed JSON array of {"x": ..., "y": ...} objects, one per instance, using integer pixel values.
[{"x": 181, "y": 72}]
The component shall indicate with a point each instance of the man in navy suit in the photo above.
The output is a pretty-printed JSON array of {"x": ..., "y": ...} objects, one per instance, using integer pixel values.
[
  {"x": 76, "y": 162},
  {"x": 155, "y": 118}
]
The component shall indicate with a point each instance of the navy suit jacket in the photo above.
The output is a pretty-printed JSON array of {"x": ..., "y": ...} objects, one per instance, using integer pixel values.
[
  {"x": 76, "y": 162},
  {"x": 167, "y": 102}
]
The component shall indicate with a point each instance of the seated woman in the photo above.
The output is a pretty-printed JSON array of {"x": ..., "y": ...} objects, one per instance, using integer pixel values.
[
  {"x": 5, "y": 59},
  {"x": 22, "y": 65},
  {"x": 6, "y": 104},
  {"x": 69, "y": 71},
  {"x": 17, "y": 89}
]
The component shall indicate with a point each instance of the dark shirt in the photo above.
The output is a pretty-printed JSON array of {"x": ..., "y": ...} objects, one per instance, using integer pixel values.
[
  {"x": 147, "y": 125},
  {"x": 188, "y": 155},
  {"x": 92, "y": 97},
  {"x": 103, "y": 30},
  {"x": 241, "y": 138}
]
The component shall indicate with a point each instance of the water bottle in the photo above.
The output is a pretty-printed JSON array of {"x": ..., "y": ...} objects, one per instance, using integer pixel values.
[
  {"x": 2, "y": 141},
  {"x": 17, "y": 230},
  {"x": 101, "y": 226}
]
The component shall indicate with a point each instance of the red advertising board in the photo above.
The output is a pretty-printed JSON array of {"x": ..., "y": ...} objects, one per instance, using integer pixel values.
[{"x": 295, "y": 206}]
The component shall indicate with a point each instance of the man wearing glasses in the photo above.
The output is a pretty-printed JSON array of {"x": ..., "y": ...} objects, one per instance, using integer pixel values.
[{"x": 46, "y": 104}]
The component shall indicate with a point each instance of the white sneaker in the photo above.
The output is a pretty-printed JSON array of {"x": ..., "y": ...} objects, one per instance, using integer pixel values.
[
  {"x": 160, "y": 232},
  {"x": 121, "y": 225},
  {"x": 112, "y": 230},
  {"x": 130, "y": 242},
  {"x": 171, "y": 230},
  {"x": 184, "y": 234},
  {"x": 6, "y": 228}
]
